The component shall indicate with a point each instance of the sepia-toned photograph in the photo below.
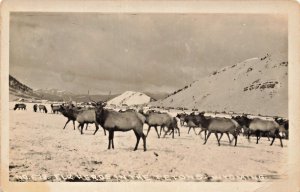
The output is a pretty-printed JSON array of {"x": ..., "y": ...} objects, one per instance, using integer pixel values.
[{"x": 148, "y": 97}]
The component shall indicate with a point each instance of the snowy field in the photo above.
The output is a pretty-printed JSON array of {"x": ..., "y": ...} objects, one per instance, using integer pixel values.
[{"x": 40, "y": 150}]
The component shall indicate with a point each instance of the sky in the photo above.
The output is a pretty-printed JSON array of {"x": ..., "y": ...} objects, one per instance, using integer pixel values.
[{"x": 154, "y": 53}]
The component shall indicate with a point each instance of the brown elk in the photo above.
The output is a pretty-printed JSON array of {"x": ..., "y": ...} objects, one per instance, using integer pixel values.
[
  {"x": 35, "y": 106},
  {"x": 55, "y": 108},
  {"x": 116, "y": 121},
  {"x": 259, "y": 126},
  {"x": 43, "y": 108},
  {"x": 82, "y": 116},
  {"x": 154, "y": 119},
  {"x": 20, "y": 106},
  {"x": 220, "y": 125}
]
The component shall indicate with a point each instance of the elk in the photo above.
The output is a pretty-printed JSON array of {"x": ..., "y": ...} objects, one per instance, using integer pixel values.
[
  {"x": 35, "y": 106},
  {"x": 70, "y": 113},
  {"x": 258, "y": 126},
  {"x": 87, "y": 116},
  {"x": 172, "y": 128},
  {"x": 193, "y": 121},
  {"x": 115, "y": 121},
  {"x": 181, "y": 116},
  {"x": 80, "y": 115},
  {"x": 220, "y": 125},
  {"x": 284, "y": 126},
  {"x": 154, "y": 119},
  {"x": 42, "y": 108},
  {"x": 20, "y": 106},
  {"x": 55, "y": 108}
]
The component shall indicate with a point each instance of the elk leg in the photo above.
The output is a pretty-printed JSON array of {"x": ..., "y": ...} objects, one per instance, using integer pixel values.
[
  {"x": 277, "y": 133},
  {"x": 161, "y": 127},
  {"x": 156, "y": 132},
  {"x": 216, "y": 134},
  {"x": 86, "y": 126},
  {"x": 165, "y": 134},
  {"x": 228, "y": 137},
  {"x": 149, "y": 131},
  {"x": 97, "y": 127},
  {"x": 66, "y": 123},
  {"x": 112, "y": 140},
  {"x": 109, "y": 138},
  {"x": 144, "y": 141},
  {"x": 74, "y": 124},
  {"x": 104, "y": 131},
  {"x": 178, "y": 131},
  {"x": 235, "y": 137},
  {"x": 81, "y": 128},
  {"x": 280, "y": 138},
  {"x": 207, "y": 138},
  {"x": 273, "y": 140},
  {"x": 220, "y": 137},
  {"x": 173, "y": 130},
  {"x": 138, "y": 137},
  {"x": 200, "y": 132},
  {"x": 249, "y": 132},
  {"x": 189, "y": 130},
  {"x": 194, "y": 131},
  {"x": 257, "y": 136}
]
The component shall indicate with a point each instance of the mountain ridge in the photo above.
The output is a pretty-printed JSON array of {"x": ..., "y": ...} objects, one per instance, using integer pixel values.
[{"x": 255, "y": 86}]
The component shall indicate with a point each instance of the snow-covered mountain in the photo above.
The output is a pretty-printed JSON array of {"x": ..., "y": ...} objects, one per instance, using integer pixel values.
[
  {"x": 53, "y": 92},
  {"x": 130, "y": 98},
  {"x": 18, "y": 90},
  {"x": 255, "y": 86}
]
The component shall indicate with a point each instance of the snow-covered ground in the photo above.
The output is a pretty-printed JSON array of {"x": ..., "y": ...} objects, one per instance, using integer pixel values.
[{"x": 39, "y": 145}]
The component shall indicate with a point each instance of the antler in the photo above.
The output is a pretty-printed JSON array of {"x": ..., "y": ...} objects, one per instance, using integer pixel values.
[
  {"x": 99, "y": 103},
  {"x": 69, "y": 98},
  {"x": 92, "y": 100}
]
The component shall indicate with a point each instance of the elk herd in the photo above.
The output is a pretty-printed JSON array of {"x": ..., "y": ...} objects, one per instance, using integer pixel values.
[{"x": 125, "y": 120}]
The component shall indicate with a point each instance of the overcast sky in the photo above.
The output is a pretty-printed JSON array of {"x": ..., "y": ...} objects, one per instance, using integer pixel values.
[{"x": 139, "y": 52}]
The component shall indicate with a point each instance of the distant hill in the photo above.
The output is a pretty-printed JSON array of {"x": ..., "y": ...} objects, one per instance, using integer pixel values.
[
  {"x": 62, "y": 95},
  {"x": 255, "y": 86},
  {"x": 129, "y": 98},
  {"x": 18, "y": 86},
  {"x": 18, "y": 90}
]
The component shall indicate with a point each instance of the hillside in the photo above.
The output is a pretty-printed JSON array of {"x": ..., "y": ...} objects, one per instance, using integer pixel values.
[
  {"x": 17, "y": 85},
  {"x": 18, "y": 91},
  {"x": 255, "y": 86},
  {"x": 130, "y": 98}
]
